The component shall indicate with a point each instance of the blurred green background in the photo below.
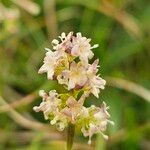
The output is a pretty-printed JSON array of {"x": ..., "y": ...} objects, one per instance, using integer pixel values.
[{"x": 120, "y": 27}]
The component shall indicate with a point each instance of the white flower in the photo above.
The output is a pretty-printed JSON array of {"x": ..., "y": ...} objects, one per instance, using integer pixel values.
[
  {"x": 77, "y": 46},
  {"x": 75, "y": 108},
  {"x": 94, "y": 81},
  {"x": 98, "y": 123},
  {"x": 82, "y": 48},
  {"x": 49, "y": 104},
  {"x": 65, "y": 44},
  {"x": 51, "y": 61},
  {"x": 72, "y": 110},
  {"x": 60, "y": 120},
  {"x": 89, "y": 132},
  {"x": 75, "y": 76}
]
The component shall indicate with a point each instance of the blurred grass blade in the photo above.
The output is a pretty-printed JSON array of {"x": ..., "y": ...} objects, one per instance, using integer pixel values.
[
  {"x": 26, "y": 99},
  {"x": 50, "y": 18},
  {"x": 108, "y": 8},
  {"x": 8, "y": 13},
  {"x": 29, "y": 6},
  {"x": 122, "y": 134},
  {"x": 29, "y": 124},
  {"x": 129, "y": 86},
  {"x": 125, "y": 49}
]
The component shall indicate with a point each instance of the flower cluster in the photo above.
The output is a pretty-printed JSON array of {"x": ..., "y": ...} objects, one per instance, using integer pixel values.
[{"x": 69, "y": 65}]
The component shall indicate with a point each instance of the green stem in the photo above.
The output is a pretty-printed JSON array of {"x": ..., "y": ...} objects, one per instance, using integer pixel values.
[{"x": 70, "y": 136}]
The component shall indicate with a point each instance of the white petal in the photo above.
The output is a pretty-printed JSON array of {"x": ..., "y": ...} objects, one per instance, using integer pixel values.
[
  {"x": 61, "y": 126},
  {"x": 84, "y": 60},
  {"x": 36, "y": 109},
  {"x": 111, "y": 122},
  {"x": 90, "y": 54},
  {"x": 104, "y": 136},
  {"x": 42, "y": 93},
  {"x": 95, "y": 46},
  {"x": 53, "y": 121},
  {"x": 82, "y": 80},
  {"x": 55, "y": 47},
  {"x": 75, "y": 50},
  {"x": 55, "y": 42},
  {"x": 50, "y": 53},
  {"x": 50, "y": 74},
  {"x": 63, "y": 35},
  {"x": 42, "y": 69},
  {"x": 95, "y": 92},
  {"x": 47, "y": 49},
  {"x": 71, "y": 84},
  {"x": 79, "y": 34}
]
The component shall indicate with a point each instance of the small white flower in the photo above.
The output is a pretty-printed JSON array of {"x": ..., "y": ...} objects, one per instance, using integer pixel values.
[
  {"x": 73, "y": 109},
  {"x": 98, "y": 122},
  {"x": 101, "y": 112},
  {"x": 90, "y": 132},
  {"x": 49, "y": 64},
  {"x": 75, "y": 76},
  {"x": 60, "y": 120},
  {"x": 65, "y": 44},
  {"x": 49, "y": 104},
  {"x": 51, "y": 61},
  {"x": 84, "y": 113},
  {"x": 94, "y": 81},
  {"x": 82, "y": 48}
]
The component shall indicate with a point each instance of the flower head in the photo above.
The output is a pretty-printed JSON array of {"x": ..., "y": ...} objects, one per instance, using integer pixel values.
[{"x": 69, "y": 65}]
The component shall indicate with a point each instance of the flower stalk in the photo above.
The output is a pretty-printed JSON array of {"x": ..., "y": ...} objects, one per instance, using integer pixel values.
[{"x": 70, "y": 136}]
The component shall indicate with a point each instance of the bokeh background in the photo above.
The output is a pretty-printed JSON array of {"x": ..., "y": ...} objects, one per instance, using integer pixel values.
[{"x": 120, "y": 27}]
